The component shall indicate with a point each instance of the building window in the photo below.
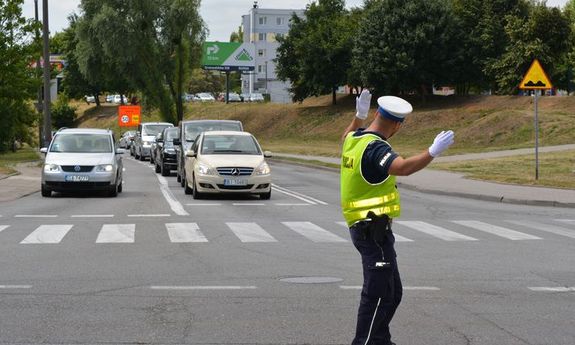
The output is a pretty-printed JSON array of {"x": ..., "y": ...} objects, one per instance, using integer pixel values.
[
  {"x": 279, "y": 35},
  {"x": 262, "y": 36},
  {"x": 280, "y": 20},
  {"x": 261, "y": 68},
  {"x": 261, "y": 52},
  {"x": 263, "y": 20}
]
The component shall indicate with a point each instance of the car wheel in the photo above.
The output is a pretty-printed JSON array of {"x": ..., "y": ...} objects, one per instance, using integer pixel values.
[
  {"x": 120, "y": 188},
  {"x": 142, "y": 158},
  {"x": 46, "y": 192},
  {"x": 183, "y": 179},
  {"x": 165, "y": 171},
  {"x": 266, "y": 196},
  {"x": 152, "y": 161},
  {"x": 113, "y": 191},
  {"x": 178, "y": 177},
  {"x": 158, "y": 168},
  {"x": 187, "y": 188},
  {"x": 195, "y": 194}
]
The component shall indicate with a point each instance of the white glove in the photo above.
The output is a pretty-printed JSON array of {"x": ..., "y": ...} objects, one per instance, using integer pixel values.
[
  {"x": 441, "y": 142},
  {"x": 362, "y": 104}
]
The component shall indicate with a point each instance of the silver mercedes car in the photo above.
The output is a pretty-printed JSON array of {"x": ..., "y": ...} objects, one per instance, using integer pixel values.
[{"x": 82, "y": 159}]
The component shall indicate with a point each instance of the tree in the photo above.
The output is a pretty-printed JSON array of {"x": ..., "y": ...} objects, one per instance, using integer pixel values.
[
  {"x": 316, "y": 54},
  {"x": 237, "y": 36},
  {"x": 18, "y": 83},
  {"x": 405, "y": 45}
]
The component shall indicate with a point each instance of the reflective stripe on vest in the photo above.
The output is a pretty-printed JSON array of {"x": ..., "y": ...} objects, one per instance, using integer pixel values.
[{"x": 359, "y": 197}]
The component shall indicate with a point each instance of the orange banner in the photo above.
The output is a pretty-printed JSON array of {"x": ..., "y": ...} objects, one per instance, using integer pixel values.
[{"x": 129, "y": 115}]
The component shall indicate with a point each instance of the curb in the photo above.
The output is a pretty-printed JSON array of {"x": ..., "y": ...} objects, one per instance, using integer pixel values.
[{"x": 9, "y": 175}]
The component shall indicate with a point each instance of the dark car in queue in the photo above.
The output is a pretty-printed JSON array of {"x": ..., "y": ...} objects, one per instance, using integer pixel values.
[
  {"x": 165, "y": 158},
  {"x": 189, "y": 131}
]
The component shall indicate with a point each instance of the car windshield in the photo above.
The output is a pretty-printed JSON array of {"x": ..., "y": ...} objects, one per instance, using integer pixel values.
[
  {"x": 192, "y": 130},
  {"x": 153, "y": 129},
  {"x": 230, "y": 144},
  {"x": 82, "y": 143},
  {"x": 171, "y": 134}
]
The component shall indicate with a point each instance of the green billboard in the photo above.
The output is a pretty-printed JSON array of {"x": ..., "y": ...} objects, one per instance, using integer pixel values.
[{"x": 227, "y": 56}]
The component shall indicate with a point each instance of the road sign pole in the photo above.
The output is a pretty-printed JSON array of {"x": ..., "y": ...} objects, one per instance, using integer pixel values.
[
  {"x": 227, "y": 87},
  {"x": 536, "y": 137}
]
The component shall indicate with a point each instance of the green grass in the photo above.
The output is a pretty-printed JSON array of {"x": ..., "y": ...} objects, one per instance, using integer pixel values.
[{"x": 9, "y": 159}]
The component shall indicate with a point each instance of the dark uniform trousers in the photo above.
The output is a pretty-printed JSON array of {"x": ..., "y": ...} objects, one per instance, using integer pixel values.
[{"x": 382, "y": 289}]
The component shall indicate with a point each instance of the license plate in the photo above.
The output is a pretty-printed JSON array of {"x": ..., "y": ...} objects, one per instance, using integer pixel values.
[
  {"x": 76, "y": 178},
  {"x": 235, "y": 182}
]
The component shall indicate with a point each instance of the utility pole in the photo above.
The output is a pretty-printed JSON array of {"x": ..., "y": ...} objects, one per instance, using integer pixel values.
[
  {"x": 38, "y": 74},
  {"x": 46, "y": 54}
]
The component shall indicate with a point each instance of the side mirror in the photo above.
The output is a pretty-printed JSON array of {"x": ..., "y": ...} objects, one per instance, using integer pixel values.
[
  {"x": 120, "y": 151},
  {"x": 44, "y": 150},
  {"x": 177, "y": 141},
  {"x": 191, "y": 153},
  {"x": 159, "y": 140},
  {"x": 267, "y": 154}
]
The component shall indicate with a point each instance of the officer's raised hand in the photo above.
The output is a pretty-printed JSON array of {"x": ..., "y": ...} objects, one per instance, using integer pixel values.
[
  {"x": 441, "y": 142},
  {"x": 362, "y": 104}
]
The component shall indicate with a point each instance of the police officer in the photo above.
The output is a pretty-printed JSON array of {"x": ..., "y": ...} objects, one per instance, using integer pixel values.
[{"x": 370, "y": 201}]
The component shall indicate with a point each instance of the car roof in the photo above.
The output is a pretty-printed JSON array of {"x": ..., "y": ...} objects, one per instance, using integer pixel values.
[
  {"x": 210, "y": 133},
  {"x": 156, "y": 123},
  {"x": 84, "y": 131},
  {"x": 209, "y": 121}
]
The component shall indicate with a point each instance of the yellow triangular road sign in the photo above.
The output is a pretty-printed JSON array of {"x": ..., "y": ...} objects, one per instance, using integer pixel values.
[{"x": 536, "y": 78}]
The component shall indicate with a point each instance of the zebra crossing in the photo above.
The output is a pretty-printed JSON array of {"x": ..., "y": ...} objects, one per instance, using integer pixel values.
[{"x": 252, "y": 232}]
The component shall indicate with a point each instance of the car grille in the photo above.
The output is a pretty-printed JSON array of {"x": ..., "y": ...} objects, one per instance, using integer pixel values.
[
  {"x": 221, "y": 186},
  {"x": 235, "y": 171},
  {"x": 83, "y": 168}
]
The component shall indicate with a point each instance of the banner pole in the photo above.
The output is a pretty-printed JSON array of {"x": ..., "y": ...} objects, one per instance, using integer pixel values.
[{"x": 536, "y": 138}]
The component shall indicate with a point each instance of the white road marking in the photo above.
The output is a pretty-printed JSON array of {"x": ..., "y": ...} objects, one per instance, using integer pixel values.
[
  {"x": 185, "y": 232},
  {"x": 92, "y": 216},
  {"x": 47, "y": 234},
  {"x": 175, "y": 205},
  {"x": 203, "y": 204},
  {"x": 566, "y": 220},
  {"x": 435, "y": 231},
  {"x": 150, "y": 215},
  {"x": 302, "y": 197},
  {"x": 205, "y": 287},
  {"x": 247, "y": 204},
  {"x": 313, "y": 232},
  {"x": 398, "y": 238},
  {"x": 557, "y": 230},
  {"x": 409, "y": 288},
  {"x": 15, "y": 286},
  {"x": 552, "y": 289},
  {"x": 35, "y": 216},
  {"x": 250, "y": 232},
  {"x": 496, "y": 230},
  {"x": 291, "y": 204},
  {"x": 117, "y": 233},
  {"x": 2, "y": 227}
]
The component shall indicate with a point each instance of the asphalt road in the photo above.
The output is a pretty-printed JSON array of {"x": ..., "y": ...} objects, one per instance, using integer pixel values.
[{"x": 154, "y": 266}]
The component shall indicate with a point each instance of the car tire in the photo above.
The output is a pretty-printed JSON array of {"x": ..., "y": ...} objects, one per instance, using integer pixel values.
[
  {"x": 195, "y": 194},
  {"x": 165, "y": 171},
  {"x": 142, "y": 158},
  {"x": 113, "y": 191},
  {"x": 266, "y": 196},
  {"x": 158, "y": 168},
  {"x": 120, "y": 187},
  {"x": 46, "y": 193},
  {"x": 187, "y": 189},
  {"x": 178, "y": 177},
  {"x": 183, "y": 180},
  {"x": 152, "y": 161}
]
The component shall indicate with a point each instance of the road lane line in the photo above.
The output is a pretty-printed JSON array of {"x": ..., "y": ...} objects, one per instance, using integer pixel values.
[
  {"x": 291, "y": 204},
  {"x": 408, "y": 288},
  {"x": 557, "y": 230},
  {"x": 247, "y": 204},
  {"x": 205, "y": 287},
  {"x": 150, "y": 215},
  {"x": 552, "y": 289},
  {"x": 15, "y": 286},
  {"x": 496, "y": 230},
  {"x": 398, "y": 238},
  {"x": 281, "y": 190},
  {"x": 313, "y": 232},
  {"x": 117, "y": 233},
  {"x": 301, "y": 195},
  {"x": 250, "y": 232},
  {"x": 203, "y": 204},
  {"x": 175, "y": 205},
  {"x": 185, "y": 233},
  {"x": 92, "y": 216},
  {"x": 47, "y": 234},
  {"x": 3, "y": 227},
  {"x": 435, "y": 231},
  {"x": 35, "y": 216}
]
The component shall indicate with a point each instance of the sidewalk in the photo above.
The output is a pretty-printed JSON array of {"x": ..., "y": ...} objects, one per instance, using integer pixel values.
[
  {"x": 448, "y": 183},
  {"x": 25, "y": 182}
]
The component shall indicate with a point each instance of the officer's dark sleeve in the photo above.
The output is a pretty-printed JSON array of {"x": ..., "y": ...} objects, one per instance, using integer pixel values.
[{"x": 376, "y": 161}]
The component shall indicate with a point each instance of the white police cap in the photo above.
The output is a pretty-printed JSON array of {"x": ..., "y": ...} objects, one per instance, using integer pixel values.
[{"x": 393, "y": 108}]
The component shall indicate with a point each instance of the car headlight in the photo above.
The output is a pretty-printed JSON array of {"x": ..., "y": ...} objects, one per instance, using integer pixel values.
[
  {"x": 51, "y": 168},
  {"x": 146, "y": 143},
  {"x": 170, "y": 151},
  {"x": 104, "y": 168},
  {"x": 205, "y": 169},
  {"x": 263, "y": 169}
]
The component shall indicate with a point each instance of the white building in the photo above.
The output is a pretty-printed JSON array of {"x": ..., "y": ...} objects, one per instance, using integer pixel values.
[{"x": 261, "y": 27}]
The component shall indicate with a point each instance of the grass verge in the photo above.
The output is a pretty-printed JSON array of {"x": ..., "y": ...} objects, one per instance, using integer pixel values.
[
  {"x": 9, "y": 159},
  {"x": 556, "y": 169}
]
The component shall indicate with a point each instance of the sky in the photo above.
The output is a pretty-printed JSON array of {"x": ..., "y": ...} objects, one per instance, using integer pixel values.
[{"x": 221, "y": 16}]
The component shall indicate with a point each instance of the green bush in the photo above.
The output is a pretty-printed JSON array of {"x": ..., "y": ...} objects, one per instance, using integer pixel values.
[{"x": 63, "y": 115}]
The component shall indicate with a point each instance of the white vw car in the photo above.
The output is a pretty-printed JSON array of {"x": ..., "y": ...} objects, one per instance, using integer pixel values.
[{"x": 227, "y": 162}]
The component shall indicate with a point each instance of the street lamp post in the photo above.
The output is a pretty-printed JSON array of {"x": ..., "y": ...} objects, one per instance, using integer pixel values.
[
  {"x": 267, "y": 76},
  {"x": 46, "y": 74},
  {"x": 38, "y": 74}
]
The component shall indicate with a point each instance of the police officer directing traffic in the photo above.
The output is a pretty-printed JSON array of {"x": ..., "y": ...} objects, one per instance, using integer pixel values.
[{"x": 370, "y": 201}]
